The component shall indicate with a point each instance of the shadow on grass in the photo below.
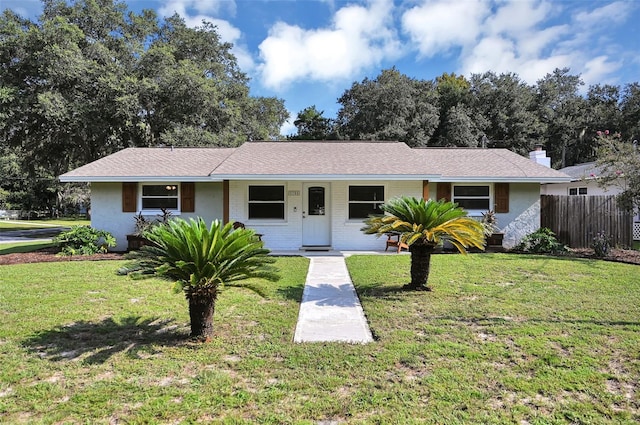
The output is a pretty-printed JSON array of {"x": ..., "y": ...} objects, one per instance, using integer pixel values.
[
  {"x": 291, "y": 292},
  {"x": 95, "y": 343},
  {"x": 382, "y": 290}
]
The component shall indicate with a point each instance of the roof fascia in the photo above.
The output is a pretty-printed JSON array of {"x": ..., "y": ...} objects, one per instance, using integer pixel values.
[
  {"x": 328, "y": 177},
  {"x": 504, "y": 179},
  {"x": 119, "y": 179}
]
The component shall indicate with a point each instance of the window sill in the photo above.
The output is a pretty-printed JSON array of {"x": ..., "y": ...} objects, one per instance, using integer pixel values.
[{"x": 159, "y": 212}]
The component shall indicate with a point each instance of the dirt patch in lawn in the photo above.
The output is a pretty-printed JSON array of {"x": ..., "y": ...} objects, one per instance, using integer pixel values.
[{"x": 52, "y": 254}]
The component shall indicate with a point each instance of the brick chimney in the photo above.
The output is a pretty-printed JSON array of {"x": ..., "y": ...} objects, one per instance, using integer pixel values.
[{"x": 539, "y": 156}]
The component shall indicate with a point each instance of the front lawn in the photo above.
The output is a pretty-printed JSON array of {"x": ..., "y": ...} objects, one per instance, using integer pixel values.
[
  {"x": 18, "y": 247},
  {"x": 502, "y": 339}
]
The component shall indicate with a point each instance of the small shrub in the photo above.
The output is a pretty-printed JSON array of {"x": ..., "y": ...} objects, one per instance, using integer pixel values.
[
  {"x": 542, "y": 241},
  {"x": 84, "y": 240},
  {"x": 601, "y": 244},
  {"x": 144, "y": 225},
  {"x": 489, "y": 222}
]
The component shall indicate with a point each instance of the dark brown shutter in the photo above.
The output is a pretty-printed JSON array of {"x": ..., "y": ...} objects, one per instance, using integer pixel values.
[
  {"x": 443, "y": 191},
  {"x": 501, "y": 197},
  {"x": 425, "y": 189},
  {"x": 129, "y": 197},
  {"x": 188, "y": 197}
]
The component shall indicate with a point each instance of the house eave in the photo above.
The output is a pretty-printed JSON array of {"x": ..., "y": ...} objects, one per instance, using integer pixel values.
[
  {"x": 120, "y": 179},
  {"x": 327, "y": 177},
  {"x": 485, "y": 179}
]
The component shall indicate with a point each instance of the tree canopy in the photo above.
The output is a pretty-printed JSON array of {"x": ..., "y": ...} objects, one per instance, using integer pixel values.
[
  {"x": 90, "y": 78},
  {"x": 490, "y": 110}
]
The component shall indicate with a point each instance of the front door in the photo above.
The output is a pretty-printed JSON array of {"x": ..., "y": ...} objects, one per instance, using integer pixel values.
[{"x": 316, "y": 214}]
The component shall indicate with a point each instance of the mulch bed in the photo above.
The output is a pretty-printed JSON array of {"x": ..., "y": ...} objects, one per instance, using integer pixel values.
[{"x": 50, "y": 254}]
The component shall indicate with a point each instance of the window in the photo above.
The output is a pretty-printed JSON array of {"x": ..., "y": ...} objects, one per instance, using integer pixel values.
[
  {"x": 266, "y": 202},
  {"x": 473, "y": 197},
  {"x": 158, "y": 196},
  {"x": 365, "y": 201},
  {"x": 577, "y": 191}
]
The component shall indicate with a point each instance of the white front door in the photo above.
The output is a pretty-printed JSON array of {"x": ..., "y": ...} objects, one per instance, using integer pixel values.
[{"x": 316, "y": 214}]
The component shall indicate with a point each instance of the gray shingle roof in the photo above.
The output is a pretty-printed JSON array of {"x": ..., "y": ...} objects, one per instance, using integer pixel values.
[
  {"x": 314, "y": 159},
  {"x": 488, "y": 164},
  {"x": 137, "y": 164},
  {"x": 588, "y": 170}
]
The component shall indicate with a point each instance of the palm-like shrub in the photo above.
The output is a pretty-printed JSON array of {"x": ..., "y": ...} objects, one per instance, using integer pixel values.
[
  {"x": 425, "y": 225},
  {"x": 200, "y": 260}
]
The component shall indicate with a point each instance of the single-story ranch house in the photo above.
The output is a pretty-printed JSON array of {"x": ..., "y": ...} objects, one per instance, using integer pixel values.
[{"x": 310, "y": 194}]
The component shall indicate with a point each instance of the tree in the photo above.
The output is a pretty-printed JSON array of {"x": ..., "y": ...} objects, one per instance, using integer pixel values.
[
  {"x": 423, "y": 226},
  {"x": 456, "y": 127},
  {"x": 504, "y": 111},
  {"x": 90, "y": 78},
  {"x": 619, "y": 162},
  {"x": 563, "y": 111},
  {"x": 630, "y": 110},
  {"x": 201, "y": 260},
  {"x": 312, "y": 125},
  {"x": 390, "y": 107},
  {"x": 603, "y": 112}
]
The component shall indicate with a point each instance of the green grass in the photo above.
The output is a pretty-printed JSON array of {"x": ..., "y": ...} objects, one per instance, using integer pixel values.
[
  {"x": 502, "y": 339},
  {"x": 12, "y": 248},
  {"x": 6, "y": 225}
]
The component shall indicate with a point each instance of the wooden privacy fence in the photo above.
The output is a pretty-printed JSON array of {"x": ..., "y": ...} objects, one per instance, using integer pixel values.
[{"x": 577, "y": 219}]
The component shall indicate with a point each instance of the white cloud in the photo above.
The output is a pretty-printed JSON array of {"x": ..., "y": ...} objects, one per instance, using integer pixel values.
[
  {"x": 605, "y": 16},
  {"x": 437, "y": 26},
  {"x": 530, "y": 38},
  {"x": 598, "y": 69},
  {"x": 200, "y": 7},
  {"x": 359, "y": 37}
]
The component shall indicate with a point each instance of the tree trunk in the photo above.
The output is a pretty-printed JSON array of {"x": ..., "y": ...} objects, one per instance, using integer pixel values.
[
  {"x": 201, "y": 309},
  {"x": 420, "y": 264}
]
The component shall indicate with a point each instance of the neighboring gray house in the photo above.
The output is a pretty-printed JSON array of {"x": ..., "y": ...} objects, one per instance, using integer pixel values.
[{"x": 307, "y": 194}]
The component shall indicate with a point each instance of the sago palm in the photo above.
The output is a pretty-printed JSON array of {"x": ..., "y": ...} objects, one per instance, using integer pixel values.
[
  {"x": 200, "y": 260},
  {"x": 423, "y": 226}
]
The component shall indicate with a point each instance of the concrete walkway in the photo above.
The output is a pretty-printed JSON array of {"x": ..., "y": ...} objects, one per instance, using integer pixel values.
[{"x": 330, "y": 308}]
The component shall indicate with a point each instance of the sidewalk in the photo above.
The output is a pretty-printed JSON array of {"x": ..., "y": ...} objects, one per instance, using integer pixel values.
[{"x": 330, "y": 309}]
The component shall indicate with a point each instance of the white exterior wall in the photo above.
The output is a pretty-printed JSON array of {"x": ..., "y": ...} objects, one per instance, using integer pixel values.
[
  {"x": 287, "y": 234},
  {"x": 106, "y": 207},
  {"x": 524, "y": 211},
  {"x": 106, "y": 204},
  {"x": 106, "y": 212}
]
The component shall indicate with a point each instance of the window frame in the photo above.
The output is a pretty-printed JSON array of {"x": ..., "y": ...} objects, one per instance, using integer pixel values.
[
  {"x": 489, "y": 197},
  {"x": 142, "y": 197},
  {"x": 283, "y": 202},
  {"x": 374, "y": 201},
  {"x": 578, "y": 189}
]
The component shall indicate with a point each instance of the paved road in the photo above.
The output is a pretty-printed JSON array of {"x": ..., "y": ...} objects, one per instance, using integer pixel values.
[{"x": 31, "y": 235}]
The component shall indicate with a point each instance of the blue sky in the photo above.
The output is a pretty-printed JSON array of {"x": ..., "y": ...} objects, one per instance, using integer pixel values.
[{"x": 310, "y": 52}]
